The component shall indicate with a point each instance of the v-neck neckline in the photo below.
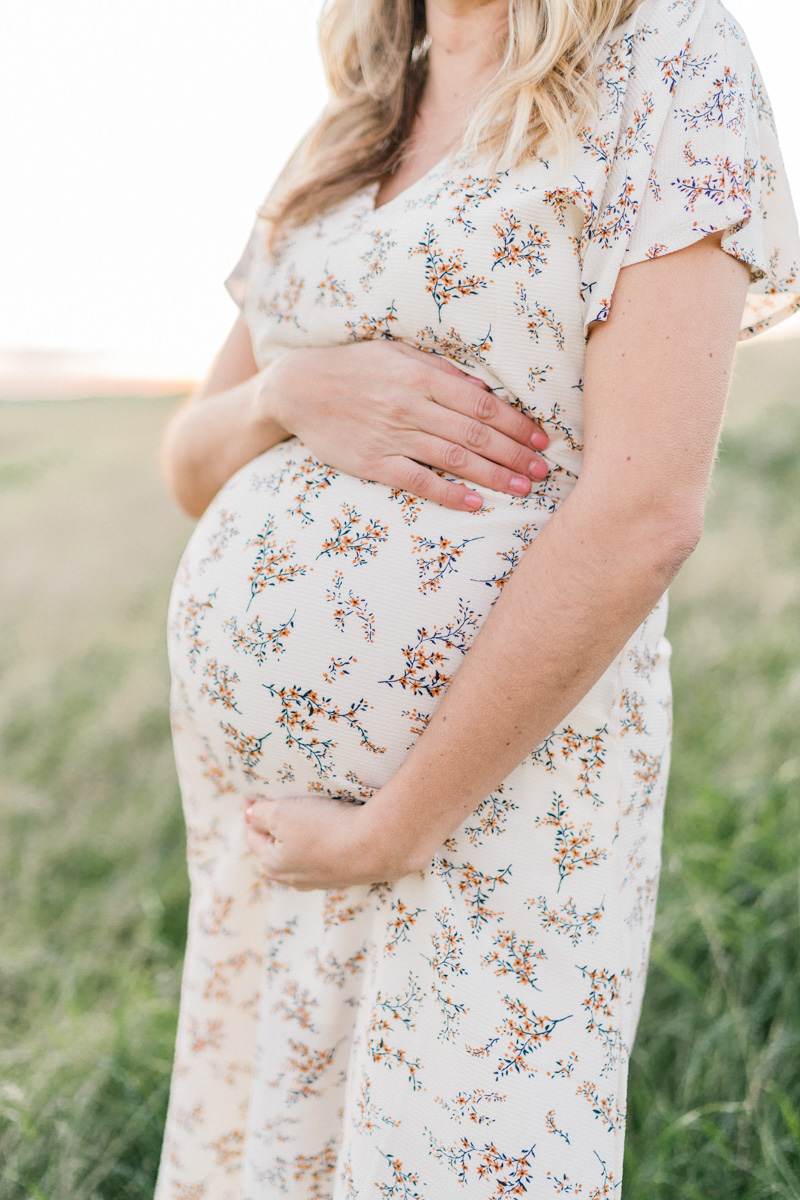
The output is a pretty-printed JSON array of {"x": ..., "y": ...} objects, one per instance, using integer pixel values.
[{"x": 373, "y": 188}]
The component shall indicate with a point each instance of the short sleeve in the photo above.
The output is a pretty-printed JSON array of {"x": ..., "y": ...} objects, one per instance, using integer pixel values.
[
  {"x": 236, "y": 281},
  {"x": 695, "y": 152}
]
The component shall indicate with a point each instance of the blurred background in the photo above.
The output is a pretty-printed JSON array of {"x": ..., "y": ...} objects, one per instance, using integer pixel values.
[{"x": 138, "y": 142}]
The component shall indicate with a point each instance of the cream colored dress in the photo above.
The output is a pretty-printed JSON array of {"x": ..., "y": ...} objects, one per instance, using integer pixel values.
[{"x": 463, "y": 1032}]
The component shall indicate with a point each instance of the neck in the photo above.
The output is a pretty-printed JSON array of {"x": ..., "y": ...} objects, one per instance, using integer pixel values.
[{"x": 466, "y": 48}]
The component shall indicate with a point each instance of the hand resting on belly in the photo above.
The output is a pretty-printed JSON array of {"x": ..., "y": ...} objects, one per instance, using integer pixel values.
[{"x": 379, "y": 410}]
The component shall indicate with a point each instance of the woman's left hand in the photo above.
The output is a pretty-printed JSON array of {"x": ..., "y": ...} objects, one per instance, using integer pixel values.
[{"x": 314, "y": 841}]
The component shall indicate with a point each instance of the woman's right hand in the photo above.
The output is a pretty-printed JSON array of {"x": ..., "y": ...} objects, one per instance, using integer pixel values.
[{"x": 385, "y": 411}]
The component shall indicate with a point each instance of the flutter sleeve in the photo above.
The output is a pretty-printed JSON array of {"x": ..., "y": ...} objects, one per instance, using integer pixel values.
[
  {"x": 695, "y": 151},
  {"x": 236, "y": 281}
]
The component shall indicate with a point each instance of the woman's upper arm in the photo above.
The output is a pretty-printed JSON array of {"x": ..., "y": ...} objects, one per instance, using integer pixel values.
[
  {"x": 657, "y": 375},
  {"x": 234, "y": 364}
]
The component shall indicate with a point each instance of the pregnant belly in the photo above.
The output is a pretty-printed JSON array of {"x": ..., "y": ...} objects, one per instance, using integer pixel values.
[{"x": 316, "y": 619}]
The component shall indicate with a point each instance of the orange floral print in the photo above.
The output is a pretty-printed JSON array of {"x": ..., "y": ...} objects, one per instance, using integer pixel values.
[{"x": 392, "y": 1040}]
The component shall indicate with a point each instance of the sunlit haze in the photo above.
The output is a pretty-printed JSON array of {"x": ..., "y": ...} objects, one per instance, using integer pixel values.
[{"x": 138, "y": 140}]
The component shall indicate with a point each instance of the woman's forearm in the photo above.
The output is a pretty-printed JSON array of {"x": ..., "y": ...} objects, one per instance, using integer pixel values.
[
  {"x": 579, "y": 593},
  {"x": 215, "y": 434},
  {"x": 606, "y": 556},
  {"x": 581, "y": 589}
]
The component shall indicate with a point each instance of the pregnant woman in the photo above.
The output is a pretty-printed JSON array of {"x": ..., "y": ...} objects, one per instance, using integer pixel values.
[{"x": 448, "y": 461}]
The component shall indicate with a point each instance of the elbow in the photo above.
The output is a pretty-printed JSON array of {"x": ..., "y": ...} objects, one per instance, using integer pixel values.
[
  {"x": 185, "y": 500},
  {"x": 673, "y": 533},
  {"x": 182, "y": 493},
  {"x": 648, "y": 530},
  {"x": 177, "y": 471}
]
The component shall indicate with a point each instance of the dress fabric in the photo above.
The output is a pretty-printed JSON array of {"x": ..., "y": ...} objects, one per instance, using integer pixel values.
[{"x": 464, "y": 1031}]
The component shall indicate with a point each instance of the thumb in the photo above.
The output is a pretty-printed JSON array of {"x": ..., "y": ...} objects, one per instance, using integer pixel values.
[{"x": 260, "y": 813}]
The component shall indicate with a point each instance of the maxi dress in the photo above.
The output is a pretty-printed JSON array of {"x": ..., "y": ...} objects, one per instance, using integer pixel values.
[{"x": 464, "y": 1031}]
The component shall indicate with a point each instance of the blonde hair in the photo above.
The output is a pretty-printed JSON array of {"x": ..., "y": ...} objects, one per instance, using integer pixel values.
[{"x": 374, "y": 52}]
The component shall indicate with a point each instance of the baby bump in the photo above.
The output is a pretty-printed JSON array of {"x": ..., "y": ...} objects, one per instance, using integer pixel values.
[{"x": 316, "y": 619}]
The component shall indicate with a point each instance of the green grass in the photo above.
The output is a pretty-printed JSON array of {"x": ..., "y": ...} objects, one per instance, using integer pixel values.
[
  {"x": 91, "y": 845},
  {"x": 92, "y": 878},
  {"x": 715, "y": 1096}
]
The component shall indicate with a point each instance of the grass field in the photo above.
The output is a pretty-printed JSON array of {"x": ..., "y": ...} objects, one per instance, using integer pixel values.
[{"x": 92, "y": 880}]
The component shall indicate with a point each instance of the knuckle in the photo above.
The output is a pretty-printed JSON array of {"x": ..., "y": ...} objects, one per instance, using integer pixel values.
[
  {"x": 518, "y": 416},
  {"x": 418, "y": 375},
  {"x": 417, "y": 480},
  {"x": 400, "y": 407},
  {"x": 521, "y": 460},
  {"x": 499, "y": 478},
  {"x": 380, "y": 471},
  {"x": 368, "y": 453},
  {"x": 451, "y": 496},
  {"x": 455, "y": 457},
  {"x": 519, "y": 426},
  {"x": 484, "y": 406},
  {"x": 476, "y": 435},
  {"x": 397, "y": 400}
]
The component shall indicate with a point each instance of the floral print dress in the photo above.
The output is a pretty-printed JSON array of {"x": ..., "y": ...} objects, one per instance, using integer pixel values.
[{"x": 464, "y": 1031}]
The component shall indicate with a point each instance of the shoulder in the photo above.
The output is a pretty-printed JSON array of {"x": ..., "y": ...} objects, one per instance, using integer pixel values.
[
  {"x": 664, "y": 16},
  {"x": 671, "y": 56},
  {"x": 664, "y": 33}
]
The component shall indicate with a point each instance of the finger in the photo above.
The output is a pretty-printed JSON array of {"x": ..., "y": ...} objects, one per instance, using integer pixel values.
[
  {"x": 451, "y": 457},
  {"x": 260, "y": 816},
  {"x": 479, "y": 454},
  {"x": 437, "y": 362},
  {"x": 254, "y": 799},
  {"x": 491, "y": 410},
  {"x": 409, "y": 476},
  {"x": 272, "y": 864},
  {"x": 448, "y": 368},
  {"x": 261, "y": 845}
]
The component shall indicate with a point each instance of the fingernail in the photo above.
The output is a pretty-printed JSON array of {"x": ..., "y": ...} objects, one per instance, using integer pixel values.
[
  {"x": 473, "y": 501},
  {"x": 519, "y": 485},
  {"x": 540, "y": 440},
  {"x": 481, "y": 383},
  {"x": 538, "y": 469}
]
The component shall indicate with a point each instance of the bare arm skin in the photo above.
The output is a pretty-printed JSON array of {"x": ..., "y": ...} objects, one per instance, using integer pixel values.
[
  {"x": 376, "y": 410},
  {"x": 220, "y": 428},
  {"x": 655, "y": 385}
]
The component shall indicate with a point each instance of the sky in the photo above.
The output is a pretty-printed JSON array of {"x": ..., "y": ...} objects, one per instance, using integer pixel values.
[{"x": 137, "y": 141}]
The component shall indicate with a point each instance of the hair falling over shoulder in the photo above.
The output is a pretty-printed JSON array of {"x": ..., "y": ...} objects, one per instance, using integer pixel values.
[{"x": 374, "y": 53}]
